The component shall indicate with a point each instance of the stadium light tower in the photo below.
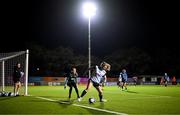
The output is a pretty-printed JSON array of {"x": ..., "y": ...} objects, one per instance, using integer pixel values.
[{"x": 89, "y": 10}]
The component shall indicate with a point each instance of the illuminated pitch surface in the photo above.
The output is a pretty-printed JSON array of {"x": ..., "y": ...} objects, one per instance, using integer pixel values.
[{"x": 136, "y": 100}]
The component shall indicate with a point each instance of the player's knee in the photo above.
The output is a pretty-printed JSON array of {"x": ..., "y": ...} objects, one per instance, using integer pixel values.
[{"x": 87, "y": 88}]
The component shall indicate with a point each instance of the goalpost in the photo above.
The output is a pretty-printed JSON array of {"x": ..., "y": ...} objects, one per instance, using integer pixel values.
[{"x": 7, "y": 63}]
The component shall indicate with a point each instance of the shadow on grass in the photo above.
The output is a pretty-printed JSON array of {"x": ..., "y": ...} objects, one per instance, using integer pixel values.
[
  {"x": 101, "y": 105},
  {"x": 68, "y": 102},
  {"x": 130, "y": 91}
]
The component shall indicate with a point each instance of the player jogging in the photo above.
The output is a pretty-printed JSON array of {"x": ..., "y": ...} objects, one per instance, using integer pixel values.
[
  {"x": 71, "y": 81},
  {"x": 99, "y": 73}
]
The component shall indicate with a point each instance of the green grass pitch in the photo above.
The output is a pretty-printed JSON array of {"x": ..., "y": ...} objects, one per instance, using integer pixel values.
[{"x": 140, "y": 99}]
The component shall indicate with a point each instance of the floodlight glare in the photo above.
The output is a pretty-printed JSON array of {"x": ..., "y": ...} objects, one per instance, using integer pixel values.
[{"x": 89, "y": 9}]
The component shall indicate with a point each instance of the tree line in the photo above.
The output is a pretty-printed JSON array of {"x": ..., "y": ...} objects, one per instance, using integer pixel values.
[{"x": 52, "y": 61}]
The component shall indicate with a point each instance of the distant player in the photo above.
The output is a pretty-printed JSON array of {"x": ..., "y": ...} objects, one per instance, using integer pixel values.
[
  {"x": 174, "y": 82},
  {"x": 135, "y": 80},
  {"x": 71, "y": 81},
  {"x": 162, "y": 81},
  {"x": 166, "y": 79},
  {"x": 17, "y": 74},
  {"x": 99, "y": 73},
  {"x": 124, "y": 77}
]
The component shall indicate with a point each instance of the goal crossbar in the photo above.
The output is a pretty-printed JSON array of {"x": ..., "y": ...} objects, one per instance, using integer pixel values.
[{"x": 12, "y": 56}]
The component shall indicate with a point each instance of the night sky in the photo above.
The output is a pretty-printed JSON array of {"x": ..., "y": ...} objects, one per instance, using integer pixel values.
[{"x": 118, "y": 24}]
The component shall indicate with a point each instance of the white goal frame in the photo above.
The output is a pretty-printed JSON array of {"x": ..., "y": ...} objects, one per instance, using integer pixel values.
[{"x": 3, "y": 61}]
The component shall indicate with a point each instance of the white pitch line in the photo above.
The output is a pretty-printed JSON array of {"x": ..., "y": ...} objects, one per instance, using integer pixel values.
[
  {"x": 142, "y": 94},
  {"x": 97, "y": 109},
  {"x": 149, "y": 97},
  {"x": 46, "y": 99},
  {"x": 163, "y": 96},
  {"x": 107, "y": 111}
]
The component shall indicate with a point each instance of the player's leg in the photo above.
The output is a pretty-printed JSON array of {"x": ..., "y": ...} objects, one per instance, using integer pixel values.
[
  {"x": 70, "y": 91},
  {"x": 69, "y": 84},
  {"x": 99, "y": 89},
  {"x": 135, "y": 83},
  {"x": 76, "y": 89},
  {"x": 122, "y": 86},
  {"x": 165, "y": 83},
  {"x": 18, "y": 87},
  {"x": 15, "y": 88},
  {"x": 15, "y": 85},
  {"x": 89, "y": 85},
  {"x": 118, "y": 84},
  {"x": 125, "y": 85},
  {"x": 103, "y": 85}
]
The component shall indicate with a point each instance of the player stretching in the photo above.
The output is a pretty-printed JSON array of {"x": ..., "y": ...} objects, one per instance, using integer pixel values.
[
  {"x": 124, "y": 77},
  {"x": 71, "y": 81},
  {"x": 96, "y": 79}
]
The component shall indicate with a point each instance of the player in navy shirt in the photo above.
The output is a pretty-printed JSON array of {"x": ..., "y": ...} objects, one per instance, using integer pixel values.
[{"x": 123, "y": 75}]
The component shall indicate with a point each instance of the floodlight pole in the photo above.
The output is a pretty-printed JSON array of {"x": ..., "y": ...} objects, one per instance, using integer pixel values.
[
  {"x": 89, "y": 45},
  {"x": 89, "y": 10}
]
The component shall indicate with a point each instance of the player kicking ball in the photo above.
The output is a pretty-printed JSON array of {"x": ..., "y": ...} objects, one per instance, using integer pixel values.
[{"x": 99, "y": 73}]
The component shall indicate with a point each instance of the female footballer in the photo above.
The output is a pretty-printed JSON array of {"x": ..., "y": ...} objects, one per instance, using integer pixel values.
[
  {"x": 71, "y": 81},
  {"x": 98, "y": 75}
]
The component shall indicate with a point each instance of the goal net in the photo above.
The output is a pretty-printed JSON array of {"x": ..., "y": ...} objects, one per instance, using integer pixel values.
[{"x": 7, "y": 63}]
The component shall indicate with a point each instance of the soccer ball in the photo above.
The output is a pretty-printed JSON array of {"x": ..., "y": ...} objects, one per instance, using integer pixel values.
[{"x": 92, "y": 100}]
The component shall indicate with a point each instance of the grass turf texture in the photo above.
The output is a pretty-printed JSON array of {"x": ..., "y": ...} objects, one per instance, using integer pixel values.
[{"x": 143, "y": 99}]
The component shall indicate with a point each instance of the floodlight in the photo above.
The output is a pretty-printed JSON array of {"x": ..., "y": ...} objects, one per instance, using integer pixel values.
[{"x": 89, "y": 9}]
